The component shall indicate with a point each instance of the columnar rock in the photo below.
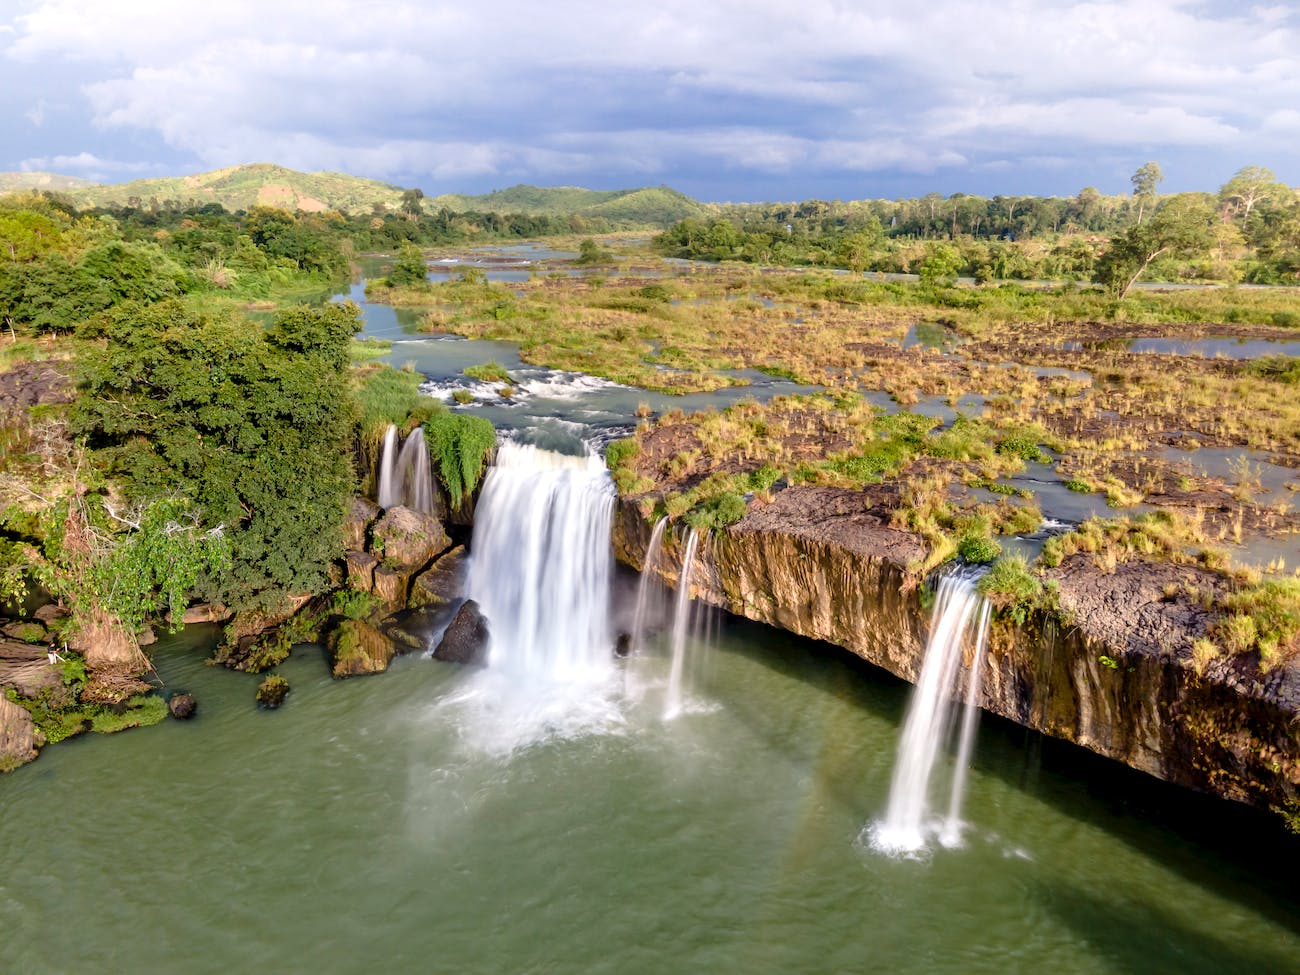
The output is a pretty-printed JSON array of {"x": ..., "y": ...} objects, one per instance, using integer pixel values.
[
  {"x": 361, "y": 513},
  {"x": 361, "y": 570},
  {"x": 19, "y": 738}
]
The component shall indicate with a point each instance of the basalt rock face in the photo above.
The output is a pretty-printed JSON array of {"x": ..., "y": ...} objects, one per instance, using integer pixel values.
[
  {"x": 19, "y": 737},
  {"x": 1112, "y": 671}
]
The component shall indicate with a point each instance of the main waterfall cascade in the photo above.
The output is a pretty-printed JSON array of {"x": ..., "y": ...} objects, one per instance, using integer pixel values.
[
  {"x": 960, "y": 619},
  {"x": 405, "y": 473},
  {"x": 543, "y": 564}
]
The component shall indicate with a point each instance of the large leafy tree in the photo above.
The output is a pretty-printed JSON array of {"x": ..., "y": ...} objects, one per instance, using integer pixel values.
[
  {"x": 252, "y": 425},
  {"x": 1180, "y": 228}
]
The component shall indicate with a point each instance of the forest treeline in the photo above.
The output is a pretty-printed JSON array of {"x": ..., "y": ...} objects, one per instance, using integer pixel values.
[
  {"x": 1248, "y": 231},
  {"x": 59, "y": 265}
]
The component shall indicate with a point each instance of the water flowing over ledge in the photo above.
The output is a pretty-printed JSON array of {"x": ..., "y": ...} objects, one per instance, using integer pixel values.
[{"x": 1111, "y": 671}]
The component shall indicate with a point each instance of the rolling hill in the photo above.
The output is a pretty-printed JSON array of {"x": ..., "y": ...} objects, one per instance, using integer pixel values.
[
  {"x": 651, "y": 205},
  {"x": 16, "y": 182},
  {"x": 241, "y": 187}
]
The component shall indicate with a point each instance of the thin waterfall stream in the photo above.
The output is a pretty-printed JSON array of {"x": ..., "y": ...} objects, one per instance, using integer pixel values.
[{"x": 960, "y": 617}]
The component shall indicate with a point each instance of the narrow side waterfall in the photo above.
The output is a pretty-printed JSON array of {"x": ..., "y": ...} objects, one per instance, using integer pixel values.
[
  {"x": 681, "y": 628},
  {"x": 405, "y": 473},
  {"x": 648, "y": 587},
  {"x": 389, "y": 489},
  {"x": 542, "y": 565},
  {"x": 961, "y": 617}
]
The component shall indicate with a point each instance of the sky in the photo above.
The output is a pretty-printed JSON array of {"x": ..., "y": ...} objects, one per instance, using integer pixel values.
[{"x": 725, "y": 100}]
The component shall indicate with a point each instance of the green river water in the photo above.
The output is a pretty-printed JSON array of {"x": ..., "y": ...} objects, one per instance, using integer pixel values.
[{"x": 394, "y": 824}]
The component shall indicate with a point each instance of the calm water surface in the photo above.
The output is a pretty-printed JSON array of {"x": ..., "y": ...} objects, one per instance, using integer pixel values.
[{"x": 400, "y": 823}]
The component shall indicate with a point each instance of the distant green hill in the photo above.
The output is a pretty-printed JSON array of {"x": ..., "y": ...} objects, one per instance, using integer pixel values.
[
  {"x": 653, "y": 205},
  {"x": 12, "y": 182},
  {"x": 242, "y": 187}
]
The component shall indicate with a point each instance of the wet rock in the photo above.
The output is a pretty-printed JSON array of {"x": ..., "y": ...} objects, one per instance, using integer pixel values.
[
  {"x": 403, "y": 537},
  {"x": 407, "y": 640},
  {"x": 146, "y": 637},
  {"x": 466, "y": 639},
  {"x": 182, "y": 706},
  {"x": 443, "y": 583},
  {"x": 19, "y": 737},
  {"x": 272, "y": 692},
  {"x": 623, "y": 645},
  {"x": 356, "y": 525},
  {"x": 357, "y": 648}
]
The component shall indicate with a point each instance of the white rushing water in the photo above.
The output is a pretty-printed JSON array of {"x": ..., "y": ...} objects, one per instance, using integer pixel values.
[
  {"x": 405, "y": 474},
  {"x": 960, "y": 619},
  {"x": 541, "y": 570},
  {"x": 543, "y": 563},
  {"x": 681, "y": 628},
  {"x": 648, "y": 587}
]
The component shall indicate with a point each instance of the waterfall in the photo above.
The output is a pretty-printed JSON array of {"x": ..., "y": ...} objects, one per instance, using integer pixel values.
[
  {"x": 405, "y": 474},
  {"x": 960, "y": 612},
  {"x": 681, "y": 628},
  {"x": 417, "y": 472},
  {"x": 542, "y": 565},
  {"x": 389, "y": 489},
  {"x": 648, "y": 587}
]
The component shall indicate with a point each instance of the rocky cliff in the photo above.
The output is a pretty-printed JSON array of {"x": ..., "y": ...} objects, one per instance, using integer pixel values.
[{"x": 1112, "y": 669}]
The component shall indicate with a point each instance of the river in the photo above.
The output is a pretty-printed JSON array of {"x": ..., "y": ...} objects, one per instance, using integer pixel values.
[{"x": 407, "y": 823}]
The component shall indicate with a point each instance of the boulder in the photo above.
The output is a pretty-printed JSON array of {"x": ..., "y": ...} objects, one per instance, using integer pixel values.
[
  {"x": 25, "y": 631},
  {"x": 392, "y": 584},
  {"x": 182, "y": 706},
  {"x": 443, "y": 583},
  {"x": 272, "y": 692},
  {"x": 407, "y": 538},
  {"x": 205, "y": 613},
  {"x": 19, "y": 737},
  {"x": 406, "y": 639},
  {"x": 466, "y": 639},
  {"x": 146, "y": 637},
  {"x": 357, "y": 522},
  {"x": 361, "y": 570},
  {"x": 357, "y": 648},
  {"x": 50, "y": 613}
]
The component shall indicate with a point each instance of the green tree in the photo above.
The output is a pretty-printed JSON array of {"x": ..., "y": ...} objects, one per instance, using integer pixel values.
[
  {"x": 1145, "y": 180},
  {"x": 253, "y": 426},
  {"x": 1249, "y": 186},
  {"x": 1181, "y": 227},
  {"x": 940, "y": 265},
  {"x": 412, "y": 204},
  {"x": 409, "y": 269}
]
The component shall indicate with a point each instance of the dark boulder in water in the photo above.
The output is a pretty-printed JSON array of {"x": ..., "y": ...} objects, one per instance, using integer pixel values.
[
  {"x": 466, "y": 639},
  {"x": 182, "y": 706}
]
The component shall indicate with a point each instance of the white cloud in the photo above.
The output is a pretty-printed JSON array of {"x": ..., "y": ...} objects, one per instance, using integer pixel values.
[
  {"x": 757, "y": 85},
  {"x": 86, "y": 163}
]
